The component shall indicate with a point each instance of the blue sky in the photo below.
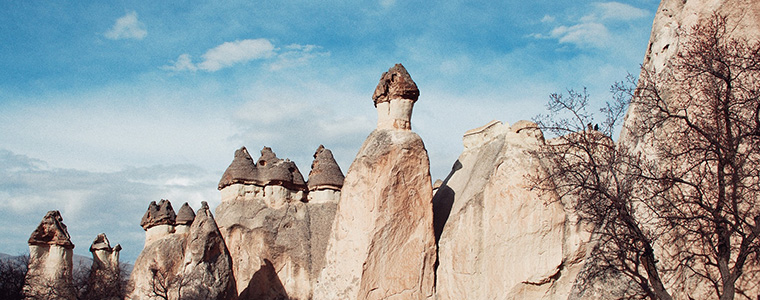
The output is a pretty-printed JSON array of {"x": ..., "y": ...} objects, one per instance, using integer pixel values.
[{"x": 105, "y": 107}]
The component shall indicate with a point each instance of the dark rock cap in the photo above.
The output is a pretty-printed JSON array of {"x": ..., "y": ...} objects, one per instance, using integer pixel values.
[
  {"x": 394, "y": 84},
  {"x": 268, "y": 170},
  {"x": 101, "y": 243},
  {"x": 185, "y": 216},
  {"x": 241, "y": 170},
  {"x": 51, "y": 231},
  {"x": 325, "y": 172},
  {"x": 158, "y": 214},
  {"x": 273, "y": 170}
]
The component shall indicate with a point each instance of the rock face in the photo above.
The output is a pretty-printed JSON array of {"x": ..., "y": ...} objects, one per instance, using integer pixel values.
[
  {"x": 105, "y": 281},
  {"x": 50, "y": 264},
  {"x": 192, "y": 264},
  {"x": 382, "y": 244},
  {"x": 498, "y": 239},
  {"x": 277, "y": 239}
]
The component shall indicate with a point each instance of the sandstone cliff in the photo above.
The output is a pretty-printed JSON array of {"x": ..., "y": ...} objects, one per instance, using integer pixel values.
[
  {"x": 498, "y": 238},
  {"x": 382, "y": 244}
]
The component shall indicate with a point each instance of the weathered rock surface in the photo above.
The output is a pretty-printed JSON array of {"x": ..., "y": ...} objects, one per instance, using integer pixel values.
[
  {"x": 277, "y": 241},
  {"x": 104, "y": 281},
  {"x": 50, "y": 264},
  {"x": 498, "y": 239},
  {"x": 158, "y": 214},
  {"x": 207, "y": 267},
  {"x": 382, "y": 244},
  {"x": 325, "y": 172},
  {"x": 184, "y": 265},
  {"x": 394, "y": 99}
]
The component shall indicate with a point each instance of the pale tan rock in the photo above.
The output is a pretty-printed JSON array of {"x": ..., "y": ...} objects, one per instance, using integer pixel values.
[
  {"x": 184, "y": 265},
  {"x": 382, "y": 244},
  {"x": 498, "y": 238},
  {"x": 105, "y": 277},
  {"x": 50, "y": 260}
]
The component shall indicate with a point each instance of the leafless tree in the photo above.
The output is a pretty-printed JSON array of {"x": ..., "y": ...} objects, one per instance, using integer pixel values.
[
  {"x": 12, "y": 273},
  {"x": 696, "y": 193}
]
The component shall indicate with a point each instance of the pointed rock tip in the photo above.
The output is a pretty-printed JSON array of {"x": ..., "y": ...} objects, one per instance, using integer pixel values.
[
  {"x": 186, "y": 215},
  {"x": 51, "y": 231},
  {"x": 395, "y": 84},
  {"x": 101, "y": 243},
  {"x": 325, "y": 171},
  {"x": 241, "y": 170}
]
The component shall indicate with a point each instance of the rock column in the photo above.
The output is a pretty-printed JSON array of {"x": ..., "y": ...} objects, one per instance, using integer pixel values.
[
  {"x": 50, "y": 264},
  {"x": 382, "y": 244}
]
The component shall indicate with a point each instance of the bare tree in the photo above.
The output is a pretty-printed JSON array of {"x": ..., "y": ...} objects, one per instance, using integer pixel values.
[
  {"x": 703, "y": 116},
  {"x": 12, "y": 273},
  {"x": 696, "y": 193}
]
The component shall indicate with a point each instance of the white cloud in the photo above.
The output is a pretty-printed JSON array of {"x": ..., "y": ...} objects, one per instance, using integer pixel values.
[
  {"x": 584, "y": 34},
  {"x": 127, "y": 27},
  {"x": 592, "y": 30},
  {"x": 242, "y": 51},
  {"x": 617, "y": 11},
  {"x": 183, "y": 63},
  {"x": 236, "y": 52},
  {"x": 297, "y": 55}
]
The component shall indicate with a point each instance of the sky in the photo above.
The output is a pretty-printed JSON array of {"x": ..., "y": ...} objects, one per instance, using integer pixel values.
[{"x": 108, "y": 105}]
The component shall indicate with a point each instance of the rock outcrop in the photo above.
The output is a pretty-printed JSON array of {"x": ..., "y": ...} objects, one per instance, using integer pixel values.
[
  {"x": 105, "y": 274},
  {"x": 382, "y": 244},
  {"x": 185, "y": 264},
  {"x": 498, "y": 238},
  {"x": 276, "y": 181},
  {"x": 267, "y": 223},
  {"x": 158, "y": 220},
  {"x": 184, "y": 219},
  {"x": 50, "y": 265}
]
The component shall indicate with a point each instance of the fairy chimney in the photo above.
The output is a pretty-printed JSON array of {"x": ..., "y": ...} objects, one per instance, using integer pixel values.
[
  {"x": 394, "y": 98},
  {"x": 325, "y": 178}
]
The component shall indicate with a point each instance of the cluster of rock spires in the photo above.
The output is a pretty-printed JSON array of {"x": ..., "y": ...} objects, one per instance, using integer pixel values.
[
  {"x": 383, "y": 231},
  {"x": 49, "y": 274}
]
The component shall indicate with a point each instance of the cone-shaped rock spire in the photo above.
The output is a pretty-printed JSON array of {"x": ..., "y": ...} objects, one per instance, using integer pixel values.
[
  {"x": 325, "y": 172},
  {"x": 51, "y": 231},
  {"x": 241, "y": 170},
  {"x": 185, "y": 216},
  {"x": 395, "y": 84}
]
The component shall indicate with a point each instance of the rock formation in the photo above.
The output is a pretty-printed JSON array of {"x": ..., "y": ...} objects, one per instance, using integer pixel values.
[
  {"x": 266, "y": 224},
  {"x": 183, "y": 264},
  {"x": 158, "y": 220},
  {"x": 274, "y": 180},
  {"x": 50, "y": 264},
  {"x": 105, "y": 274},
  {"x": 498, "y": 239},
  {"x": 325, "y": 178},
  {"x": 185, "y": 218},
  {"x": 382, "y": 244}
]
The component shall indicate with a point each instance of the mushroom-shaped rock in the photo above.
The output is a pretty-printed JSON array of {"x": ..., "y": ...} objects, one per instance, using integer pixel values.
[
  {"x": 101, "y": 243},
  {"x": 51, "y": 231},
  {"x": 241, "y": 170},
  {"x": 325, "y": 172},
  {"x": 276, "y": 171},
  {"x": 394, "y": 99},
  {"x": 158, "y": 214},
  {"x": 185, "y": 216},
  {"x": 50, "y": 264},
  {"x": 395, "y": 84}
]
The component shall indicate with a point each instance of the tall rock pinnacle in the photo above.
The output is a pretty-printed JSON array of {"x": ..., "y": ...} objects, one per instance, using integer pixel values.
[
  {"x": 50, "y": 264},
  {"x": 394, "y": 98},
  {"x": 381, "y": 244}
]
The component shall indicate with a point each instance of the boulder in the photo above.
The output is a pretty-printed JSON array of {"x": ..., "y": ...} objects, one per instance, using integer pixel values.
[{"x": 381, "y": 245}]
